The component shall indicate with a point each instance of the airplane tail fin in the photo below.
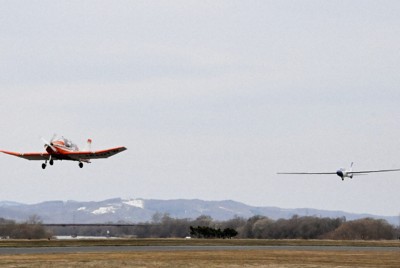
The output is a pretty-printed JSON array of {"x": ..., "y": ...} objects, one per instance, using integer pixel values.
[{"x": 88, "y": 146}]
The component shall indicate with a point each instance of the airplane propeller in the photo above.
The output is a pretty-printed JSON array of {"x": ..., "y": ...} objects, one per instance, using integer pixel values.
[{"x": 50, "y": 144}]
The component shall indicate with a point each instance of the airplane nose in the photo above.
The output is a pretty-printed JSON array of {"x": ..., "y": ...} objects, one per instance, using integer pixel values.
[{"x": 340, "y": 173}]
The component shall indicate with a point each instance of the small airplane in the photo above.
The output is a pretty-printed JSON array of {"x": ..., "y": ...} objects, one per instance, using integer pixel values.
[
  {"x": 342, "y": 172},
  {"x": 64, "y": 149}
]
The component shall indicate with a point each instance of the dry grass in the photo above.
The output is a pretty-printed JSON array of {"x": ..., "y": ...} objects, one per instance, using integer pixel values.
[{"x": 212, "y": 259}]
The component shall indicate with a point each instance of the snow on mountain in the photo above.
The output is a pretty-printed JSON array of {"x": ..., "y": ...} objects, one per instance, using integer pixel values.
[
  {"x": 139, "y": 203},
  {"x": 104, "y": 210}
]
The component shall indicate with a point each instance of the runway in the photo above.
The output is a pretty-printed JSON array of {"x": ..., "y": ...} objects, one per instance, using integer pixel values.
[{"x": 113, "y": 249}]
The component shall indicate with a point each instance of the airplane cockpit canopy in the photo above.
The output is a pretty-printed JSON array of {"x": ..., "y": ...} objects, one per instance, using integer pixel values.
[{"x": 69, "y": 144}]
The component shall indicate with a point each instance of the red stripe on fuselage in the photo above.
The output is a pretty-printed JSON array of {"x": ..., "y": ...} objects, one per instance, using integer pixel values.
[{"x": 61, "y": 151}]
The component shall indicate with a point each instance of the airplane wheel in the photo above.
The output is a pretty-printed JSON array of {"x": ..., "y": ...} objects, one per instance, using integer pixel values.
[
  {"x": 51, "y": 162},
  {"x": 43, "y": 166},
  {"x": 81, "y": 165}
]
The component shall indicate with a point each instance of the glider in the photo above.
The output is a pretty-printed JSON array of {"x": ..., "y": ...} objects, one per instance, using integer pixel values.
[{"x": 342, "y": 172}]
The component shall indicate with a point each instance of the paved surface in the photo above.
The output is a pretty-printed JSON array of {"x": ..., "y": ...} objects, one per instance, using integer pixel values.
[{"x": 103, "y": 249}]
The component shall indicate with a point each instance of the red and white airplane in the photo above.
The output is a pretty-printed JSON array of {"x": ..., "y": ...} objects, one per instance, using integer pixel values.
[{"x": 64, "y": 149}]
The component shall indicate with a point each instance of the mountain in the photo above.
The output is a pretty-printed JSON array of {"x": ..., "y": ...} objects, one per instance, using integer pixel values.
[{"x": 142, "y": 210}]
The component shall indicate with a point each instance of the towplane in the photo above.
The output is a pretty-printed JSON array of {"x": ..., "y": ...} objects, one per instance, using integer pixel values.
[
  {"x": 342, "y": 172},
  {"x": 64, "y": 149}
]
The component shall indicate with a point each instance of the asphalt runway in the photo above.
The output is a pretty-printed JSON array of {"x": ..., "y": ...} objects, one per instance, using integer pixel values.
[{"x": 113, "y": 249}]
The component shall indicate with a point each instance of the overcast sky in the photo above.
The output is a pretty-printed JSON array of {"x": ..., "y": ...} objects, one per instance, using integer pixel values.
[{"x": 211, "y": 98}]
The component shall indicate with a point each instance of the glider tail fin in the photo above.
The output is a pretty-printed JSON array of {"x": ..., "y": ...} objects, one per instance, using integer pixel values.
[{"x": 351, "y": 170}]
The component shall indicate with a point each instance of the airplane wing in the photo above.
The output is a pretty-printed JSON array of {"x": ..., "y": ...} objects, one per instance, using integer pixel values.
[
  {"x": 363, "y": 172},
  {"x": 29, "y": 156},
  {"x": 374, "y": 171},
  {"x": 307, "y": 173},
  {"x": 95, "y": 155}
]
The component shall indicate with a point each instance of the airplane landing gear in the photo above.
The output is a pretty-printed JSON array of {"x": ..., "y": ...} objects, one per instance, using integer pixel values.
[
  {"x": 80, "y": 164},
  {"x": 51, "y": 162}
]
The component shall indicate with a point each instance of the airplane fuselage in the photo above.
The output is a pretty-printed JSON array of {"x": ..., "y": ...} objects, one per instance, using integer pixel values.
[
  {"x": 343, "y": 173},
  {"x": 60, "y": 149}
]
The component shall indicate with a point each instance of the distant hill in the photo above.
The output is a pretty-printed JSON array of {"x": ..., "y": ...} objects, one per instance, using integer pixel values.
[{"x": 142, "y": 210}]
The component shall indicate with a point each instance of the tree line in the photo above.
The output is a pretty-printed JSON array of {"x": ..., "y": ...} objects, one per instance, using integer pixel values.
[
  {"x": 30, "y": 229},
  {"x": 257, "y": 227},
  {"x": 318, "y": 228}
]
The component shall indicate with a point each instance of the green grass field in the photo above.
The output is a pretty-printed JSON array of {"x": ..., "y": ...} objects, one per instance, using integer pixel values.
[{"x": 225, "y": 258}]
